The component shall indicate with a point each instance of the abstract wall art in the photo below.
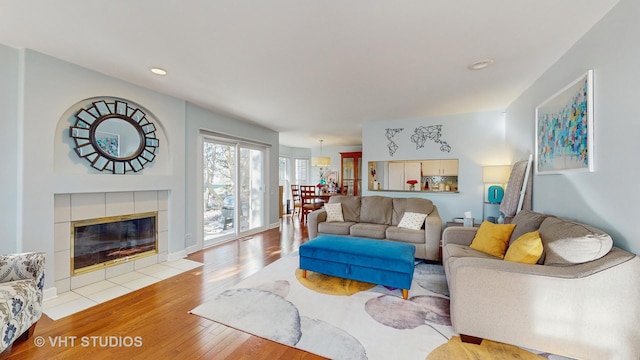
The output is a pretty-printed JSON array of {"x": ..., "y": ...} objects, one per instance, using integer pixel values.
[{"x": 564, "y": 129}]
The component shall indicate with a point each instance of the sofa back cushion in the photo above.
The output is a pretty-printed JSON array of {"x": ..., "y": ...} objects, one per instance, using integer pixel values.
[
  {"x": 376, "y": 210},
  {"x": 526, "y": 221},
  {"x": 568, "y": 243},
  {"x": 350, "y": 206},
  {"x": 414, "y": 205}
]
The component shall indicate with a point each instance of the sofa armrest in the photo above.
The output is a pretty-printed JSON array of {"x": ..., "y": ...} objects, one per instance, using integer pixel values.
[
  {"x": 432, "y": 233},
  {"x": 21, "y": 267},
  {"x": 458, "y": 235},
  {"x": 566, "y": 306},
  {"x": 313, "y": 219}
]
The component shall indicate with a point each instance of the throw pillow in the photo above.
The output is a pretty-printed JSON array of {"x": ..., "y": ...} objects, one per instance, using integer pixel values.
[
  {"x": 492, "y": 238},
  {"x": 526, "y": 221},
  {"x": 569, "y": 243},
  {"x": 411, "y": 220},
  {"x": 526, "y": 249},
  {"x": 334, "y": 212}
]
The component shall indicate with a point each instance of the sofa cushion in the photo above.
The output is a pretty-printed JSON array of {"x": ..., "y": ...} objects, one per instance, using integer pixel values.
[
  {"x": 492, "y": 238},
  {"x": 568, "y": 243},
  {"x": 350, "y": 206},
  {"x": 458, "y": 250},
  {"x": 416, "y": 205},
  {"x": 526, "y": 249},
  {"x": 526, "y": 221},
  {"x": 376, "y": 210},
  {"x": 335, "y": 228},
  {"x": 411, "y": 220},
  {"x": 405, "y": 235},
  {"x": 374, "y": 231},
  {"x": 334, "y": 212}
]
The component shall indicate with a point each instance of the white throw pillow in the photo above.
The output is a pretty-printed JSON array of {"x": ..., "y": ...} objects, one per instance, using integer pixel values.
[
  {"x": 411, "y": 220},
  {"x": 334, "y": 212}
]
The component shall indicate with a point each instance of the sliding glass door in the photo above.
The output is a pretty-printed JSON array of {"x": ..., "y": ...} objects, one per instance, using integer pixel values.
[{"x": 233, "y": 189}]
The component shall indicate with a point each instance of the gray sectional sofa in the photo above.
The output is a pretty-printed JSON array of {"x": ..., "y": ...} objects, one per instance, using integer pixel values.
[
  {"x": 377, "y": 217},
  {"x": 580, "y": 300}
]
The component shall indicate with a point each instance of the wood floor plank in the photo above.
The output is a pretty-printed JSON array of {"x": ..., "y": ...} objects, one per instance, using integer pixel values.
[{"x": 158, "y": 313}]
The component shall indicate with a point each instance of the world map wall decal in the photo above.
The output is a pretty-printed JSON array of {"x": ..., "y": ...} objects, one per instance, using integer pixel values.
[
  {"x": 433, "y": 132},
  {"x": 392, "y": 146}
]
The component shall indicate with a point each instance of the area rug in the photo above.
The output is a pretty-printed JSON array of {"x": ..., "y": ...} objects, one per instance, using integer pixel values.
[{"x": 345, "y": 320}]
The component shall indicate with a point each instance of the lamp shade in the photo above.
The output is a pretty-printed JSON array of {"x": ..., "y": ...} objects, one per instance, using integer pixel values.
[
  {"x": 498, "y": 174},
  {"x": 320, "y": 161}
]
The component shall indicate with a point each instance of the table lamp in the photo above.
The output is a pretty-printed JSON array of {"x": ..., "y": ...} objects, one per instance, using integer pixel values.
[{"x": 495, "y": 177}]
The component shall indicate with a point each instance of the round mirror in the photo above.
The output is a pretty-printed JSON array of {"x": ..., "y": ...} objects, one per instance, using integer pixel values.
[
  {"x": 117, "y": 138},
  {"x": 114, "y": 135}
]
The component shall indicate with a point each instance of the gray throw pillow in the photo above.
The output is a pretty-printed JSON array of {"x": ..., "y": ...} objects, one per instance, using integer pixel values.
[
  {"x": 350, "y": 206},
  {"x": 526, "y": 221},
  {"x": 376, "y": 210}
]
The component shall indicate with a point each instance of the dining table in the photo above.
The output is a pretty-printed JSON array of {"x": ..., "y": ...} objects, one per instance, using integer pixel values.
[{"x": 318, "y": 199}]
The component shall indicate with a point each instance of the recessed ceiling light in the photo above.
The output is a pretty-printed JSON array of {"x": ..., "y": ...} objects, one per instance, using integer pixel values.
[
  {"x": 482, "y": 64},
  {"x": 158, "y": 71}
]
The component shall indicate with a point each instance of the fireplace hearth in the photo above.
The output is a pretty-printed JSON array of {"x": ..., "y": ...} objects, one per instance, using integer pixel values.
[{"x": 104, "y": 242}]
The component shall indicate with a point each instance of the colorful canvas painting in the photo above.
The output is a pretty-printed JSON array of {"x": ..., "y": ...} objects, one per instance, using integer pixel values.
[
  {"x": 564, "y": 129},
  {"x": 108, "y": 143}
]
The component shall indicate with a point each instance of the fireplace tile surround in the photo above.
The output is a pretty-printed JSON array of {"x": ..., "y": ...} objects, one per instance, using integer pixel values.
[{"x": 83, "y": 206}]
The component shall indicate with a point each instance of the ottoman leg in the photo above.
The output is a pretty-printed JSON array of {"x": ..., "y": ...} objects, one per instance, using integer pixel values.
[
  {"x": 304, "y": 274},
  {"x": 405, "y": 294}
]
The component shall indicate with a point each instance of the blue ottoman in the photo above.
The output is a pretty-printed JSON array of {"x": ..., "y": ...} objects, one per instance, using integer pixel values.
[{"x": 374, "y": 261}]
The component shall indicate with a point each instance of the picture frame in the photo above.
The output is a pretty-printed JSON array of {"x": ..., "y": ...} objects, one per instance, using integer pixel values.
[
  {"x": 564, "y": 129},
  {"x": 333, "y": 174},
  {"x": 108, "y": 143}
]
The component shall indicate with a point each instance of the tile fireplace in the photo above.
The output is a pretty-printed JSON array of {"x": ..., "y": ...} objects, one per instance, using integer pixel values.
[
  {"x": 108, "y": 241},
  {"x": 92, "y": 208}
]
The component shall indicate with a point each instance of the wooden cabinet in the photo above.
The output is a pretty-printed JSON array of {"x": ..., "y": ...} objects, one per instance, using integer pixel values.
[
  {"x": 351, "y": 171},
  {"x": 445, "y": 167}
]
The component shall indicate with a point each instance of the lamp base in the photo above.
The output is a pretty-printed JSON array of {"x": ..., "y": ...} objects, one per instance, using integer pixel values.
[{"x": 495, "y": 194}]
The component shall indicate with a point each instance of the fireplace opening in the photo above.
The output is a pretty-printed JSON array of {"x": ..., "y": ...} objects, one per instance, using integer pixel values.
[{"x": 103, "y": 242}]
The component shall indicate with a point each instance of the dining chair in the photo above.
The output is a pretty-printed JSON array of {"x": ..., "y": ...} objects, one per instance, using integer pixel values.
[
  {"x": 309, "y": 200},
  {"x": 297, "y": 200}
]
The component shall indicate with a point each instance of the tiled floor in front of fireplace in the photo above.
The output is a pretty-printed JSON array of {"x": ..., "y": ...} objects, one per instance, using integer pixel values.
[{"x": 87, "y": 296}]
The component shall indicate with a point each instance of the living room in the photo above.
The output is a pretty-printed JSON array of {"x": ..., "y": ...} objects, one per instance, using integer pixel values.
[{"x": 37, "y": 89}]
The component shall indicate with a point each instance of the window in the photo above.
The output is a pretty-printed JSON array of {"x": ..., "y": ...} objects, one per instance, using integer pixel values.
[{"x": 301, "y": 172}]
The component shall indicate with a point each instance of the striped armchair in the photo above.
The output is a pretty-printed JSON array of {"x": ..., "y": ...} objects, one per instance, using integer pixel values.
[{"x": 21, "y": 284}]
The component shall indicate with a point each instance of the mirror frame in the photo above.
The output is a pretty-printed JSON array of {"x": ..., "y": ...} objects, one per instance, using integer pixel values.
[{"x": 89, "y": 117}]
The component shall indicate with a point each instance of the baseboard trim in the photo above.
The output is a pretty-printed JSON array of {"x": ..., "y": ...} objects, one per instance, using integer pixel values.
[
  {"x": 177, "y": 255},
  {"x": 49, "y": 293}
]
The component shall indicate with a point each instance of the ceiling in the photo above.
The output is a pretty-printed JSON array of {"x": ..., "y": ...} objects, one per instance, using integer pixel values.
[{"x": 312, "y": 69}]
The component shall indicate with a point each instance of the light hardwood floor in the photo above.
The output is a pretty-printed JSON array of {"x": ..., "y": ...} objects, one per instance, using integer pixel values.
[{"x": 156, "y": 317}]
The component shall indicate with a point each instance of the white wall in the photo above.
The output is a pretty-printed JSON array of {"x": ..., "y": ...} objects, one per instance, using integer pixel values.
[
  {"x": 607, "y": 197},
  {"x": 8, "y": 146},
  {"x": 51, "y": 86},
  {"x": 476, "y": 139}
]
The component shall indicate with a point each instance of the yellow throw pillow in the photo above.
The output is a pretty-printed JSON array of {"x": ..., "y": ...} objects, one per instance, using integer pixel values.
[
  {"x": 527, "y": 249},
  {"x": 492, "y": 239}
]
